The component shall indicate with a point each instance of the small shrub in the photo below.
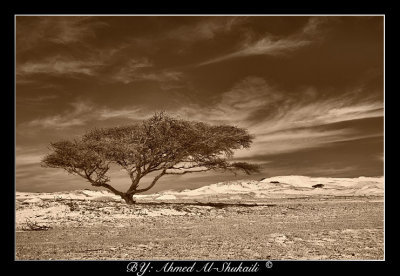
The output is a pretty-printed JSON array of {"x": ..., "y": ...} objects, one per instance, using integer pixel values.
[
  {"x": 73, "y": 206},
  {"x": 34, "y": 226}
]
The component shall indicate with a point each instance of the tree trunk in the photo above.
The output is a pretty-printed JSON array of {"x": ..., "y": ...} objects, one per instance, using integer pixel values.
[{"x": 128, "y": 199}]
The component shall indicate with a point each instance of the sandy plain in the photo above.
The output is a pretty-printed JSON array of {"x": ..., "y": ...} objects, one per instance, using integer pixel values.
[{"x": 317, "y": 228}]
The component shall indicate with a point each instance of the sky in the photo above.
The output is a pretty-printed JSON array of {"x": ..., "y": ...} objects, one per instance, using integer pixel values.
[{"x": 309, "y": 88}]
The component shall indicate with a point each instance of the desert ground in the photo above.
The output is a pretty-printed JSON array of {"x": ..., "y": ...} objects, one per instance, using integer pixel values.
[{"x": 244, "y": 220}]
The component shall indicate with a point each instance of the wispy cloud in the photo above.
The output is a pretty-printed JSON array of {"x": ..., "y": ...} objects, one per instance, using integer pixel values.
[
  {"x": 235, "y": 105},
  {"x": 30, "y": 176},
  {"x": 128, "y": 73},
  {"x": 264, "y": 46},
  {"x": 297, "y": 140},
  {"x": 290, "y": 141},
  {"x": 316, "y": 25},
  {"x": 44, "y": 99},
  {"x": 77, "y": 116},
  {"x": 82, "y": 113},
  {"x": 323, "y": 112},
  {"x": 134, "y": 114},
  {"x": 27, "y": 156},
  {"x": 207, "y": 28},
  {"x": 90, "y": 64},
  {"x": 58, "y": 65},
  {"x": 32, "y": 31},
  {"x": 75, "y": 29},
  {"x": 274, "y": 45},
  {"x": 281, "y": 110},
  {"x": 72, "y": 56},
  {"x": 135, "y": 70},
  {"x": 291, "y": 124}
]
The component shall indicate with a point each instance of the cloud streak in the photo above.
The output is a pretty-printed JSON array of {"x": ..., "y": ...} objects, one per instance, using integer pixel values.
[
  {"x": 58, "y": 66},
  {"x": 273, "y": 45},
  {"x": 34, "y": 30},
  {"x": 26, "y": 156},
  {"x": 205, "y": 29},
  {"x": 83, "y": 113},
  {"x": 135, "y": 70},
  {"x": 292, "y": 124},
  {"x": 264, "y": 46}
]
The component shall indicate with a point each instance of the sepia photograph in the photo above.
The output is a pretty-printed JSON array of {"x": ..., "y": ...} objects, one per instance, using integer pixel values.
[{"x": 199, "y": 137}]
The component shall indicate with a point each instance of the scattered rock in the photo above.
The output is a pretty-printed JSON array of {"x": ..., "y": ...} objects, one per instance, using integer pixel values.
[
  {"x": 103, "y": 199},
  {"x": 274, "y": 182},
  {"x": 73, "y": 206},
  {"x": 144, "y": 246},
  {"x": 318, "y": 186},
  {"x": 33, "y": 200},
  {"x": 34, "y": 226}
]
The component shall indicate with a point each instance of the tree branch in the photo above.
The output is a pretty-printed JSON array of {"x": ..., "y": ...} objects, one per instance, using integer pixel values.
[
  {"x": 150, "y": 186},
  {"x": 185, "y": 172},
  {"x": 111, "y": 188}
]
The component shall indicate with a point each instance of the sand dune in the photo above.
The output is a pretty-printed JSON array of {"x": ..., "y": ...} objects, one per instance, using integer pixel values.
[{"x": 290, "y": 186}]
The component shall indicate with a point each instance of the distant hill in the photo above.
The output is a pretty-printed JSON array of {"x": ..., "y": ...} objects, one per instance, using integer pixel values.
[{"x": 273, "y": 187}]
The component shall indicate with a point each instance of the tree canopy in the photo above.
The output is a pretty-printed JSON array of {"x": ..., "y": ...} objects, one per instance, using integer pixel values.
[{"x": 162, "y": 145}]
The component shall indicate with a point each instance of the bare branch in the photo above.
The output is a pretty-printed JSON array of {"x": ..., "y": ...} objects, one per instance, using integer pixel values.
[
  {"x": 111, "y": 188},
  {"x": 185, "y": 172},
  {"x": 151, "y": 185}
]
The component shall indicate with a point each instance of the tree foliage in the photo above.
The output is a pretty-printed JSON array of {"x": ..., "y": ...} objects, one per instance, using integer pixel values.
[{"x": 161, "y": 145}]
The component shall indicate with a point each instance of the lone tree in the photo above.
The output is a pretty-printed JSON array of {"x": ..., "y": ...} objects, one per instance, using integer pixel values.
[{"x": 161, "y": 145}]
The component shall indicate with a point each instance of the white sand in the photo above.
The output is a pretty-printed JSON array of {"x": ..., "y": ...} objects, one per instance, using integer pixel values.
[
  {"x": 166, "y": 197},
  {"x": 48, "y": 208},
  {"x": 293, "y": 185}
]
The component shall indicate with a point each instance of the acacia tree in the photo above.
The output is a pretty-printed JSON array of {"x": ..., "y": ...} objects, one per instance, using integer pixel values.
[{"x": 161, "y": 145}]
